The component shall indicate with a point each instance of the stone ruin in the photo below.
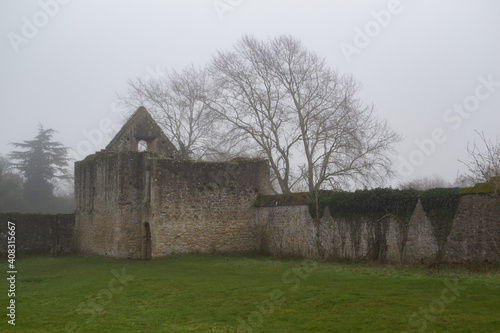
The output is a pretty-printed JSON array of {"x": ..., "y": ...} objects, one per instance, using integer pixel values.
[
  {"x": 145, "y": 204},
  {"x": 151, "y": 203}
]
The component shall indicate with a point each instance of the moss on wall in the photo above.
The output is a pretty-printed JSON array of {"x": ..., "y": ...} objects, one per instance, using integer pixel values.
[{"x": 480, "y": 188}]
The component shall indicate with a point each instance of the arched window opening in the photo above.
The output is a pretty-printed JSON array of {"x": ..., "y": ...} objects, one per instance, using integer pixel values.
[{"x": 142, "y": 145}]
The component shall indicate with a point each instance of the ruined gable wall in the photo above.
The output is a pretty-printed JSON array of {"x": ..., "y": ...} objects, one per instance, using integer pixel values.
[
  {"x": 141, "y": 126},
  {"x": 205, "y": 207},
  {"x": 129, "y": 141}
]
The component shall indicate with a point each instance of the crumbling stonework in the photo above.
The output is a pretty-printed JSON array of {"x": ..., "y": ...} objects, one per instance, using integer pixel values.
[
  {"x": 475, "y": 235},
  {"x": 195, "y": 211},
  {"x": 134, "y": 204},
  {"x": 421, "y": 244},
  {"x": 142, "y": 127},
  {"x": 289, "y": 230}
]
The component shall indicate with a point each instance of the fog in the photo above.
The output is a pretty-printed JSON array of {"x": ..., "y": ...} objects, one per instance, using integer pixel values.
[{"x": 430, "y": 68}]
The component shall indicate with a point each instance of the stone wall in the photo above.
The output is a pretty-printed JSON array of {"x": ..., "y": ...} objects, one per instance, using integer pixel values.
[
  {"x": 289, "y": 230},
  {"x": 134, "y": 204},
  {"x": 137, "y": 205},
  {"x": 39, "y": 233},
  {"x": 109, "y": 191},
  {"x": 475, "y": 235},
  {"x": 141, "y": 126},
  {"x": 205, "y": 207},
  {"x": 208, "y": 207},
  {"x": 286, "y": 231}
]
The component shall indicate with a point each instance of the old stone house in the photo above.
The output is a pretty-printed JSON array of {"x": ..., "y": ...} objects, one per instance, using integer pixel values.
[{"x": 151, "y": 203}]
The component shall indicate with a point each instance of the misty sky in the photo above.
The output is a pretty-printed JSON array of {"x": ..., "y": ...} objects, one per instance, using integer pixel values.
[{"x": 431, "y": 68}]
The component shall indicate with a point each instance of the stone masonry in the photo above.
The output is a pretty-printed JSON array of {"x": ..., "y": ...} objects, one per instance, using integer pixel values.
[
  {"x": 289, "y": 230},
  {"x": 38, "y": 234},
  {"x": 133, "y": 204},
  {"x": 147, "y": 204}
]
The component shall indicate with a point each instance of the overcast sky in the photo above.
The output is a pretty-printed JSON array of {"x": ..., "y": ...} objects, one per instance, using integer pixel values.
[{"x": 431, "y": 68}]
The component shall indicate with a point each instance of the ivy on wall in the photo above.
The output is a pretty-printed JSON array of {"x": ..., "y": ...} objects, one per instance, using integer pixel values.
[
  {"x": 375, "y": 207},
  {"x": 372, "y": 209},
  {"x": 373, "y": 204},
  {"x": 440, "y": 206}
]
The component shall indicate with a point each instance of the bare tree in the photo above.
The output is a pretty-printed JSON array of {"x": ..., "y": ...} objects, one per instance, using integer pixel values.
[
  {"x": 176, "y": 102},
  {"x": 250, "y": 100},
  {"x": 291, "y": 104},
  {"x": 341, "y": 138},
  {"x": 484, "y": 166},
  {"x": 463, "y": 181},
  {"x": 484, "y": 162}
]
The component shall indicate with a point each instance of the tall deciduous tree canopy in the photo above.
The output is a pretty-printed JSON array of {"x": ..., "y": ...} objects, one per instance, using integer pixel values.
[
  {"x": 287, "y": 100},
  {"x": 278, "y": 100},
  {"x": 176, "y": 101},
  {"x": 41, "y": 161}
]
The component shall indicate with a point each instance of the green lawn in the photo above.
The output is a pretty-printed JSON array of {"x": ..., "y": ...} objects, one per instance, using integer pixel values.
[{"x": 203, "y": 293}]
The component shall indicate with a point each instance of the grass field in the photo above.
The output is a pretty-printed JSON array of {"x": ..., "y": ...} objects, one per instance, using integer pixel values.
[{"x": 203, "y": 293}]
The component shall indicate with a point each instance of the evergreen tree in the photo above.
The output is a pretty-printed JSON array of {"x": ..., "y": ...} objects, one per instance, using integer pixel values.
[{"x": 41, "y": 162}]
